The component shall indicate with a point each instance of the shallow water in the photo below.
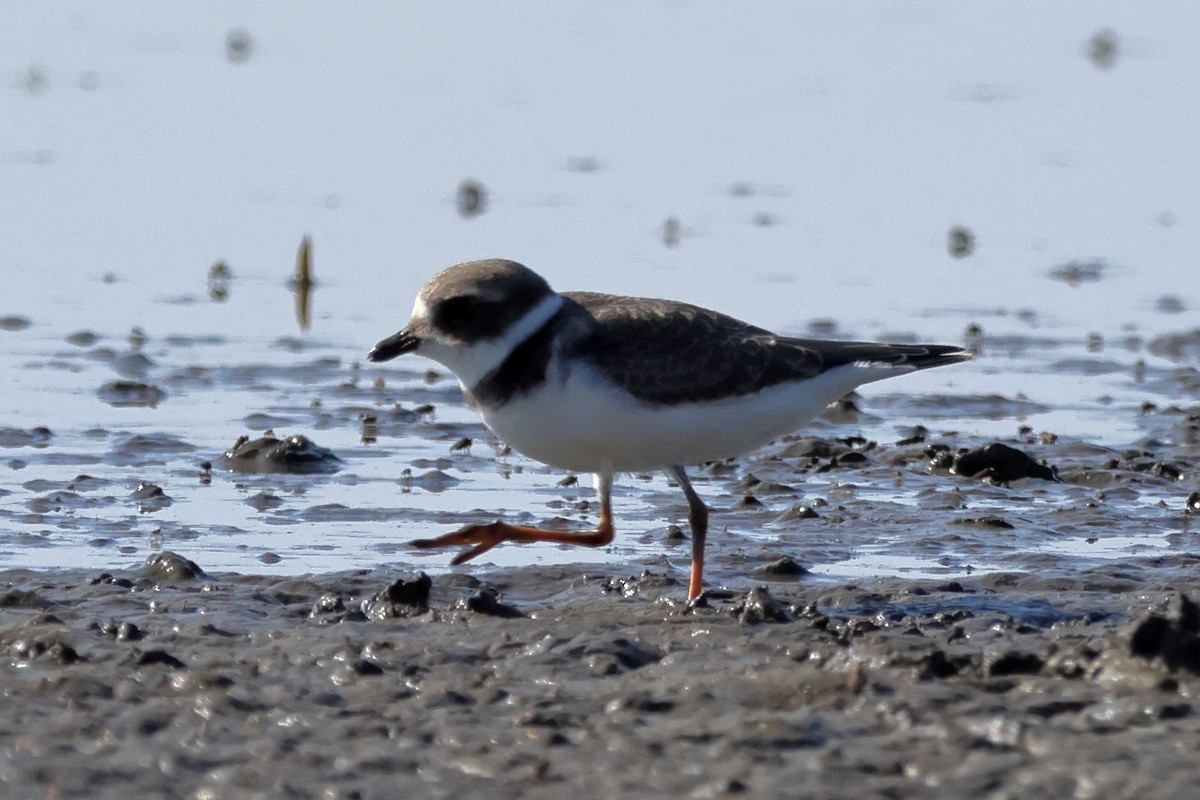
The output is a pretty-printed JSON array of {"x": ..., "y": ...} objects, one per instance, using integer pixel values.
[{"x": 811, "y": 190}]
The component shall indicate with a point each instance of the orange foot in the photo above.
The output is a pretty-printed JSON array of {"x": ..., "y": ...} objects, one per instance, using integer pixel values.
[{"x": 481, "y": 538}]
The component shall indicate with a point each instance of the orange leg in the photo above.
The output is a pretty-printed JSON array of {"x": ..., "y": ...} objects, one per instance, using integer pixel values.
[
  {"x": 698, "y": 519},
  {"x": 482, "y": 538}
]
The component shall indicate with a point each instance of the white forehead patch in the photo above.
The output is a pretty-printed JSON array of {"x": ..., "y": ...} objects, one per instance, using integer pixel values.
[{"x": 420, "y": 310}]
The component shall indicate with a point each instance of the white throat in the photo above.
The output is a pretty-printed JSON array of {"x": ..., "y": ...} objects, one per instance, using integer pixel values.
[{"x": 471, "y": 362}]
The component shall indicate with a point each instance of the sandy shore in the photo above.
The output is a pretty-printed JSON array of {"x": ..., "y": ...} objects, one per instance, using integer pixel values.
[{"x": 165, "y": 682}]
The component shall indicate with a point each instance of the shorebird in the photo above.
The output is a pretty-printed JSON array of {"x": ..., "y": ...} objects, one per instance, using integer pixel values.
[{"x": 601, "y": 383}]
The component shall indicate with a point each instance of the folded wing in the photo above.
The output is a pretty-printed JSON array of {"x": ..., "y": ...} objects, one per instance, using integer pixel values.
[{"x": 668, "y": 352}]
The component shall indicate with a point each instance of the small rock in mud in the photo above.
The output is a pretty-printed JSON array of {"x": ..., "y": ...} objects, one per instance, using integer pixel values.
[
  {"x": 108, "y": 579},
  {"x": 14, "y": 323},
  {"x": 122, "y": 394},
  {"x": 797, "y": 512},
  {"x": 263, "y": 501},
  {"x": 172, "y": 568},
  {"x": 1176, "y": 641},
  {"x": 83, "y": 338},
  {"x": 1166, "y": 470},
  {"x": 757, "y": 606},
  {"x": 673, "y": 535},
  {"x": 331, "y": 608},
  {"x": 784, "y": 568},
  {"x": 806, "y": 447},
  {"x": 486, "y": 601},
  {"x": 752, "y": 483},
  {"x": 51, "y": 649},
  {"x": 640, "y": 584},
  {"x": 150, "y": 498},
  {"x": 850, "y": 460},
  {"x": 613, "y": 656},
  {"x": 999, "y": 463},
  {"x": 404, "y": 597},
  {"x": 296, "y": 454},
  {"x": 328, "y": 603},
  {"x": 119, "y": 631}
]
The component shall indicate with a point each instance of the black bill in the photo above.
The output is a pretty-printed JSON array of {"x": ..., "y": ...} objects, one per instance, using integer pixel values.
[{"x": 395, "y": 345}]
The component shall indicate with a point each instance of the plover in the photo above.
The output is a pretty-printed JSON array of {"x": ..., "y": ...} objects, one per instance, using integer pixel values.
[{"x": 601, "y": 383}]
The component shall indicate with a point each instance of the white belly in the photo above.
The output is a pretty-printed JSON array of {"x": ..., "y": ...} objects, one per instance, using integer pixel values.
[{"x": 585, "y": 425}]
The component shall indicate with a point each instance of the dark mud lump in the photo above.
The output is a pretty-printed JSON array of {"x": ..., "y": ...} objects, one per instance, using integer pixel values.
[
  {"x": 295, "y": 454},
  {"x": 1000, "y": 463}
]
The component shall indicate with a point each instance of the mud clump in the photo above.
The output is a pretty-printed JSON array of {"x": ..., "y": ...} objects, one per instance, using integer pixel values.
[
  {"x": 296, "y": 454},
  {"x": 404, "y": 597},
  {"x": 784, "y": 568},
  {"x": 758, "y": 606},
  {"x": 486, "y": 601},
  {"x": 172, "y": 568},
  {"x": 1175, "y": 640},
  {"x": 150, "y": 498},
  {"x": 999, "y": 463}
]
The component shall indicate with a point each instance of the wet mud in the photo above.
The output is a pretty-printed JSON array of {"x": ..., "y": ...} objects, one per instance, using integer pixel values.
[
  {"x": 165, "y": 681},
  {"x": 1034, "y": 632}
]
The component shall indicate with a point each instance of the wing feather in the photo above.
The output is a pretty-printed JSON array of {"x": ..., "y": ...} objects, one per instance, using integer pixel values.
[{"x": 667, "y": 352}]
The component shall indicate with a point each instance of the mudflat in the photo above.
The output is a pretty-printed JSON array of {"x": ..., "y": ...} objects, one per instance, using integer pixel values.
[{"x": 164, "y": 681}]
